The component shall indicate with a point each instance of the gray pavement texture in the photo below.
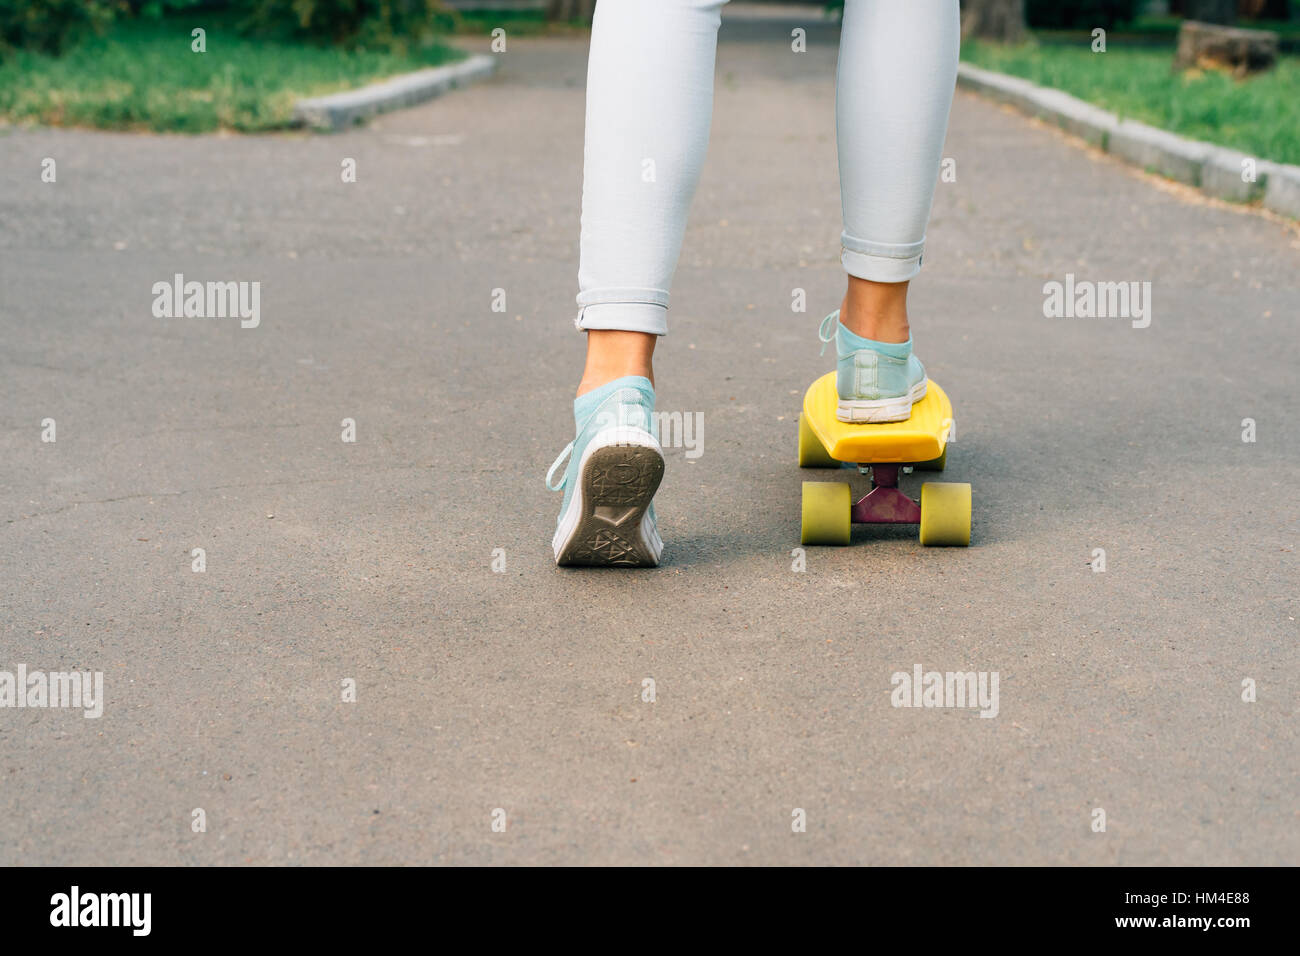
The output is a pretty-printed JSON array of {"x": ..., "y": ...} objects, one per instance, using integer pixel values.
[{"x": 521, "y": 690}]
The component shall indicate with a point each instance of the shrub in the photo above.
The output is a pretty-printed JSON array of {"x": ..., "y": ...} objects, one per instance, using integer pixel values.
[
  {"x": 1080, "y": 14},
  {"x": 51, "y": 26},
  {"x": 153, "y": 9},
  {"x": 393, "y": 25}
]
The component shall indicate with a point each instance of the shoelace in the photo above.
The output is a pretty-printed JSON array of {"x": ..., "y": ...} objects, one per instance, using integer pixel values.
[
  {"x": 568, "y": 449},
  {"x": 826, "y": 332}
]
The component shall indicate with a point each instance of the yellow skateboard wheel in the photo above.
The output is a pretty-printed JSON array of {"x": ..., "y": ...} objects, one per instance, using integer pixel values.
[
  {"x": 827, "y": 512},
  {"x": 945, "y": 513},
  {"x": 935, "y": 464},
  {"x": 812, "y": 453}
]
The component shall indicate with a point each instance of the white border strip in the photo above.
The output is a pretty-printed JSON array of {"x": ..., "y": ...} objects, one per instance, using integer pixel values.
[{"x": 340, "y": 110}]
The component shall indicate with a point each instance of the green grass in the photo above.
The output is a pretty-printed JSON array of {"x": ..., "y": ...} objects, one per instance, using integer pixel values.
[
  {"x": 515, "y": 22},
  {"x": 1259, "y": 116},
  {"x": 1168, "y": 25},
  {"x": 1152, "y": 30},
  {"x": 143, "y": 75}
]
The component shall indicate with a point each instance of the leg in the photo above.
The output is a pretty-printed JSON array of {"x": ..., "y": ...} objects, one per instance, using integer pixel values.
[
  {"x": 897, "y": 71},
  {"x": 649, "y": 105},
  {"x": 613, "y": 353}
]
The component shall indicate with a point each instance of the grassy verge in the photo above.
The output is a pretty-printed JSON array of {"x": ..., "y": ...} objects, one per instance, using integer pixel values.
[
  {"x": 1150, "y": 30},
  {"x": 143, "y": 75},
  {"x": 1260, "y": 116},
  {"x": 1168, "y": 25},
  {"x": 515, "y": 22}
]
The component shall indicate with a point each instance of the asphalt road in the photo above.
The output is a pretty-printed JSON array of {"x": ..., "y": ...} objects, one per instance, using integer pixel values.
[{"x": 372, "y": 561}]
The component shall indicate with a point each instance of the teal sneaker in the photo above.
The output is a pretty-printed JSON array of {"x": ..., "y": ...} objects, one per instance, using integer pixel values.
[
  {"x": 615, "y": 465},
  {"x": 876, "y": 381}
]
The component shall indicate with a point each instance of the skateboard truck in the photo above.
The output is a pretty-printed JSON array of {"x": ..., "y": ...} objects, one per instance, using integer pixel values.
[{"x": 884, "y": 503}]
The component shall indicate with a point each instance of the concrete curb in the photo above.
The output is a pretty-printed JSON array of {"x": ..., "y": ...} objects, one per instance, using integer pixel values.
[
  {"x": 340, "y": 110},
  {"x": 1282, "y": 188},
  {"x": 1215, "y": 170}
]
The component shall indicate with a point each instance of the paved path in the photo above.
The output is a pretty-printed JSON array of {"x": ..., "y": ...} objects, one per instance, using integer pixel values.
[{"x": 476, "y": 690}]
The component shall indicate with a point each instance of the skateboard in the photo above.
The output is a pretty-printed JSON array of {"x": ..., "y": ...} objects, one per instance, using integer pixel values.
[{"x": 884, "y": 452}]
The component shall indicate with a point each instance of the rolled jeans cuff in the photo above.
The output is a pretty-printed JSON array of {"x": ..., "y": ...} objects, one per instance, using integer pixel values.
[
  {"x": 628, "y": 310},
  {"x": 881, "y": 262}
]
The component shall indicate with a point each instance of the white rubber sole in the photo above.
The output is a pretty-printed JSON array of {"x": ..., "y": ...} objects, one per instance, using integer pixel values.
[
  {"x": 608, "y": 521},
  {"x": 878, "y": 411}
]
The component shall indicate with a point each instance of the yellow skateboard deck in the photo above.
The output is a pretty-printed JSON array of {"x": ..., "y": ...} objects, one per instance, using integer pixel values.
[{"x": 921, "y": 438}]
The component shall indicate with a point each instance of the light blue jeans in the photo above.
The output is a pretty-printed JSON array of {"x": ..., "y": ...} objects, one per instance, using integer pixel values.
[{"x": 649, "y": 105}]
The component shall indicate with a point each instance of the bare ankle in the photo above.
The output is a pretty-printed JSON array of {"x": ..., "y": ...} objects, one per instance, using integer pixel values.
[
  {"x": 876, "y": 310},
  {"x": 594, "y": 382},
  {"x": 613, "y": 353}
]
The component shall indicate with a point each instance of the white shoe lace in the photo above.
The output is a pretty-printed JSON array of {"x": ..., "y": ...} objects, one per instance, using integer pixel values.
[
  {"x": 620, "y": 395},
  {"x": 568, "y": 450},
  {"x": 827, "y": 331}
]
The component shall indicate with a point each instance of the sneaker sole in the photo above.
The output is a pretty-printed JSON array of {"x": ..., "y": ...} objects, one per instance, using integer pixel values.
[
  {"x": 879, "y": 411},
  {"x": 608, "y": 522}
]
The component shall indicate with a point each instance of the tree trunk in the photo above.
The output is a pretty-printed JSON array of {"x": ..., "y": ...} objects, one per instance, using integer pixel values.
[
  {"x": 1214, "y": 46},
  {"x": 1001, "y": 20},
  {"x": 570, "y": 9}
]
